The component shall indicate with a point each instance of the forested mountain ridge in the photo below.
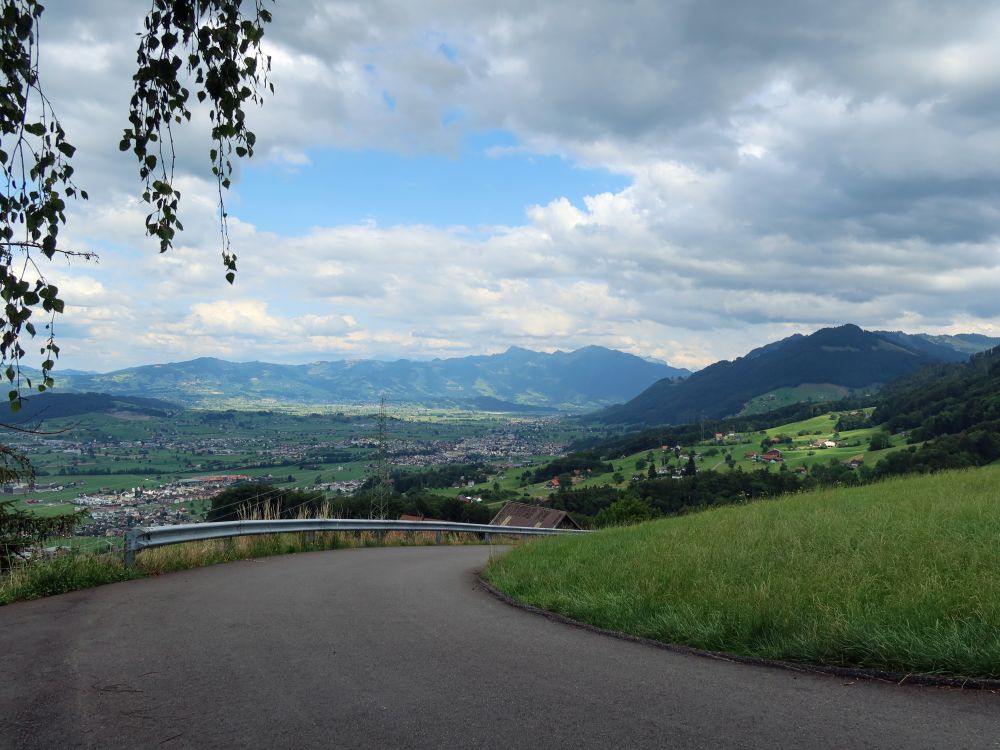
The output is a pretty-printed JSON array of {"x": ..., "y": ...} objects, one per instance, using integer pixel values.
[
  {"x": 944, "y": 399},
  {"x": 949, "y": 348},
  {"x": 845, "y": 356},
  {"x": 586, "y": 378},
  {"x": 49, "y": 405}
]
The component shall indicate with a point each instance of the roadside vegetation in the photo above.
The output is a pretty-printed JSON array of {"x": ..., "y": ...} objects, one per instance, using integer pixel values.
[
  {"x": 29, "y": 569},
  {"x": 77, "y": 570},
  {"x": 899, "y": 576}
]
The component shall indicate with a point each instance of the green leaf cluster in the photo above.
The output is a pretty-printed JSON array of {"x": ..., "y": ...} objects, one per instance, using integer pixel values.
[
  {"x": 38, "y": 178},
  {"x": 216, "y": 45},
  {"x": 212, "y": 42}
]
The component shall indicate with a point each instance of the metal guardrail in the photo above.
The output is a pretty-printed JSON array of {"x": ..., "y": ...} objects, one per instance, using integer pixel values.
[{"x": 158, "y": 536}]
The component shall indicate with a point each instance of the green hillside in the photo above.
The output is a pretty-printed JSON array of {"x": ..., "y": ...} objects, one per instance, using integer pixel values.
[
  {"x": 845, "y": 358},
  {"x": 797, "y": 447},
  {"x": 900, "y": 576},
  {"x": 782, "y": 397}
]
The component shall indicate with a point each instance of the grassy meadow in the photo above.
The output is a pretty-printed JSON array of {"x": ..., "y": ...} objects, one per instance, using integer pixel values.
[
  {"x": 781, "y": 397},
  {"x": 899, "y": 575}
]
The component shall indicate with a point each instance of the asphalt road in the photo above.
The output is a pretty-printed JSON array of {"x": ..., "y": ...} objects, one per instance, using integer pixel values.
[{"x": 398, "y": 647}]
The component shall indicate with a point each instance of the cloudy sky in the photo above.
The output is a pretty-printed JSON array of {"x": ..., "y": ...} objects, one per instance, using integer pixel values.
[{"x": 682, "y": 180}]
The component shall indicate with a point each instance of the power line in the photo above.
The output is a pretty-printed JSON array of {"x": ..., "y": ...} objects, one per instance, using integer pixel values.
[{"x": 379, "y": 507}]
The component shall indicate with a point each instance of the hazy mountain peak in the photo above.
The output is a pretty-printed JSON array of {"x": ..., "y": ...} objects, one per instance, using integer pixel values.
[{"x": 586, "y": 378}]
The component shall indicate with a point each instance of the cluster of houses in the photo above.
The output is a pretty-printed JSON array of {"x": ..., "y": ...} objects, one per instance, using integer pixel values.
[
  {"x": 822, "y": 443},
  {"x": 114, "y": 511},
  {"x": 674, "y": 473},
  {"x": 516, "y": 445},
  {"x": 577, "y": 476},
  {"x": 23, "y": 488},
  {"x": 772, "y": 456},
  {"x": 343, "y": 487},
  {"x": 775, "y": 456},
  {"x": 729, "y": 437}
]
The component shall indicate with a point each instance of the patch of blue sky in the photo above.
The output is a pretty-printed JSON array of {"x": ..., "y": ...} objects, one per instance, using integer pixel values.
[
  {"x": 490, "y": 182},
  {"x": 452, "y": 116}
]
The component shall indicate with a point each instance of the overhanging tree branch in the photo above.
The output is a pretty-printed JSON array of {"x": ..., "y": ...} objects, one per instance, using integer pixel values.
[{"x": 209, "y": 42}]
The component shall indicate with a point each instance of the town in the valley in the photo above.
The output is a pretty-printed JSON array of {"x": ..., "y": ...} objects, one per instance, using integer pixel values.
[{"x": 162, "y": 476}]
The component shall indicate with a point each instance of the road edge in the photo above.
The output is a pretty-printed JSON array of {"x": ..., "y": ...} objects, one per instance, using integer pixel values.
[{"x": 854, "y": 673}]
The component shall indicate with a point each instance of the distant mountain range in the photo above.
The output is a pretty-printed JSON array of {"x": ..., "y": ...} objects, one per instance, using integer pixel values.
[
  {"x": 829, "y": 362},
  {"x": 517, "y": 379}
]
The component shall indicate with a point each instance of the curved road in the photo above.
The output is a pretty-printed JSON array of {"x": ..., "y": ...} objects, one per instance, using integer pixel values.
[{"x": 399, "y": 647}]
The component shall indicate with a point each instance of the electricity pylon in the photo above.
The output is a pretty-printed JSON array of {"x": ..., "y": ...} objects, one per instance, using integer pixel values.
[{"x": 379, "y": 507}]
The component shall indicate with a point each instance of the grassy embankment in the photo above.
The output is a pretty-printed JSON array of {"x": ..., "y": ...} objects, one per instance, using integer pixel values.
[
  {"x": 71, "y": 572},
  {"x": 900, "y": 575}
]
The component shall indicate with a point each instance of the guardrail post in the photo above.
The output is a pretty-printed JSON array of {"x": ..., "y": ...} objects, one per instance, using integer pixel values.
[
  {"x": 437, "y": 537},
  {"x": 131, "y": 545}
]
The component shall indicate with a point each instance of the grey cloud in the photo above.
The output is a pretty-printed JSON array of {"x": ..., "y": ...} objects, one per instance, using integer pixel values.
[{"x": 834, "y": 162}]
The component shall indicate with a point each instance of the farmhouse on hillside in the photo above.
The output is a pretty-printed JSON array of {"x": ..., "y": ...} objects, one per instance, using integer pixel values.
[
  {"x": 520, "y": 514},
  {"x": 823, "y": 443}
]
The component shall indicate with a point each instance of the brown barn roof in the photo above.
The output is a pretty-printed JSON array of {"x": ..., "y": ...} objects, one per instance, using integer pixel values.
[{"x": 519, "y": 514}]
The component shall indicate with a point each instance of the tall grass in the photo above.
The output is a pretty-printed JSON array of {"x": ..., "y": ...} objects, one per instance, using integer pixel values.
[
  {"x": 903, "y": 575},
  {"x": 76, "y": 570}
]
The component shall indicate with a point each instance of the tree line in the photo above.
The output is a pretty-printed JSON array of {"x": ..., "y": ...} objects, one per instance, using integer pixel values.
[{"x": 246, "y": 501}]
